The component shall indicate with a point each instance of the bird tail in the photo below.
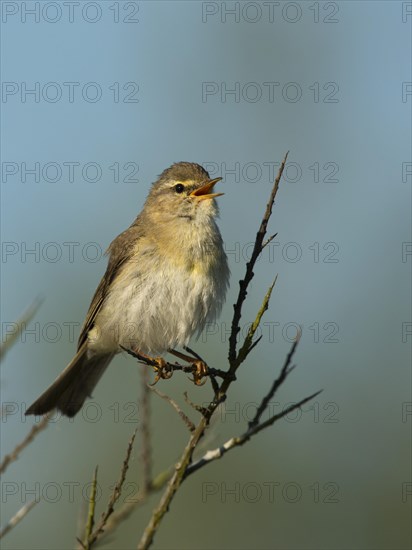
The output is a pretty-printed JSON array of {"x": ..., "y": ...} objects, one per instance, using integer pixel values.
[{"x": 71, "y": 388}]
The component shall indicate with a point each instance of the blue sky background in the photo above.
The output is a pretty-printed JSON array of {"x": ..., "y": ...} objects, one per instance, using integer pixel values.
[{"x": 327, "y": 81}]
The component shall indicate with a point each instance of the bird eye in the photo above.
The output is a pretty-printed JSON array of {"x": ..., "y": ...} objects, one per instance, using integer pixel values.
[{"x": 179, "y": 188}]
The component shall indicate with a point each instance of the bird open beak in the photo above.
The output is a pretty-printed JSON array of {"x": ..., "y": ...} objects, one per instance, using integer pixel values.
[{"x": 204, "y": 191}]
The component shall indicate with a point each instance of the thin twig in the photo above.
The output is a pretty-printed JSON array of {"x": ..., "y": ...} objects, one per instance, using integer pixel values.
[
  {"x": 14, "y": 455},
  {"x": 117, "y": 491},
  {"x": 255, "y": 343},
  {"x": 129, "y": 507},
  {"x": 269, "y": 240},
  {"x": 244, "y": 283},
  {"x": 248, "y": 343},
  {"x": 90, "y": 516},
  {"x": 286, "y": 369},
  {"x": 176, "y": 407},
  {"x": 198, "y": 408},
  {"x": 24, "y": 510},
  {"x": 146, "y": 452},
  {"x": 24, "y": 319}
]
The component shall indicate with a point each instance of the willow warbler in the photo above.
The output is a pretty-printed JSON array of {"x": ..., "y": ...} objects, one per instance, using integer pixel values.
[{"x": 167, "y": 276}]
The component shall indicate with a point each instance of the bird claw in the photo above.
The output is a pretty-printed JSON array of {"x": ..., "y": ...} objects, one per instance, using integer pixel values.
[
  {"x": 201, "y": 371},
  {"x": 162, "y": 370}
]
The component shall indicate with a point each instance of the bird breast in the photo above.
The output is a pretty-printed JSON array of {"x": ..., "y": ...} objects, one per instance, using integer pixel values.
[{"x": 160, "y": 300}]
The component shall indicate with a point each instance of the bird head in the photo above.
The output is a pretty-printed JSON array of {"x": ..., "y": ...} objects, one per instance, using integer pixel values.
[{"x": 184, "y": 191}]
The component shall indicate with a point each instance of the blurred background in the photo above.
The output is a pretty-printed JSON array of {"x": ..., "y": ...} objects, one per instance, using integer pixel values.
[{"x": 97, "y": 99}]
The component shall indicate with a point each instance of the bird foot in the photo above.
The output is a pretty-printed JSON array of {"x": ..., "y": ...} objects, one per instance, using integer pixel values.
[
  {"x": 201, "y": 371},
  {"x": 162, "y": 370}
]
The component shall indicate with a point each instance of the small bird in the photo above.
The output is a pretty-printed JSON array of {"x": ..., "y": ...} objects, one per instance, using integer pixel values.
[{"x": 167, "y": 276}]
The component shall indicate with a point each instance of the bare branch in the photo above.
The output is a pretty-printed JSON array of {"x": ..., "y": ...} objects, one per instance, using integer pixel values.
[
  {"x": 278, "y": 382},
  {"x": 117, "y": 491},
  {"x": 198, "y": 408},
  {"x": 90, "y": 516},
  {"x": 24, "y": 510},
  {"x": 269, "y": 240},
  {"x": 146, "y": 452},
  {"x": 25, "y": 318},
  {"x": 244, "y": 283},
  {"x": 210, "y": 456},
  {"x": 14, "y": 455},
  {"x": 129, "y": 507},
  {"x": 176, "y": 407},
  {"x": 248, "y": 343},
  {"x": 255, "y": 343}
]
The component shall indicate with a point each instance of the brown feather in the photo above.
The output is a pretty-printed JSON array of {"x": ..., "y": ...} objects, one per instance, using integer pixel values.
[
  {"x": 120, "y": 251},
  {"x": 71, "y": 388}
]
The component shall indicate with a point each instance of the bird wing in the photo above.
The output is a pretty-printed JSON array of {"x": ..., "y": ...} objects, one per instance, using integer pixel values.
[{"x": 120, "y": 250}]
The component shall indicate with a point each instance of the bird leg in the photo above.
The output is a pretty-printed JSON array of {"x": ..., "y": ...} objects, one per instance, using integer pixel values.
[{"x": 201, "y": 370}]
